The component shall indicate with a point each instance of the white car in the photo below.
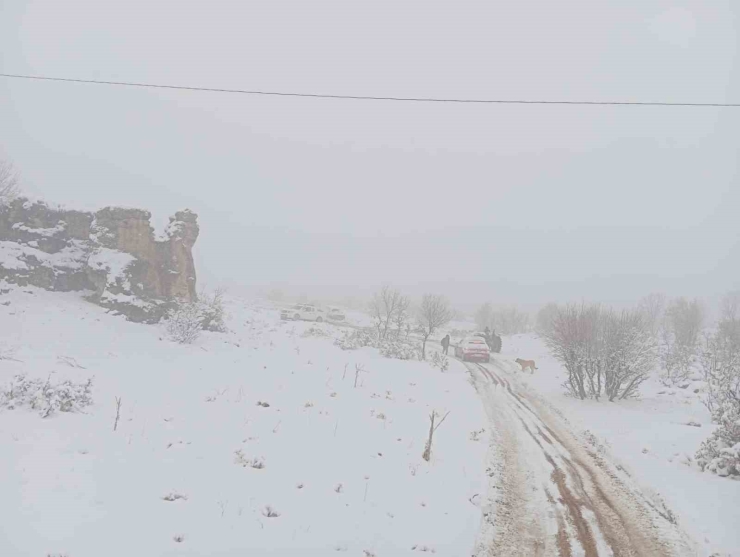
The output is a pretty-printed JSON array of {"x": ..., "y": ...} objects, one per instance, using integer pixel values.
[
  {"x": 473, "y": 348},
  {"x": 303, "y": 312}
]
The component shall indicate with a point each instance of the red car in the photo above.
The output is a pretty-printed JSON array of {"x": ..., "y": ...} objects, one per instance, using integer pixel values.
[{"x": 473, "y": 348}]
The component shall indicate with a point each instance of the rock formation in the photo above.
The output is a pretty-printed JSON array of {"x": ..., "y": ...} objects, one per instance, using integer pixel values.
[{"x": 112, "y": 253}]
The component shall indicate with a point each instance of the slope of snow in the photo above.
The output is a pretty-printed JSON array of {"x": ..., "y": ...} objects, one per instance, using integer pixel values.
[
  {"x": 650, "y": 438},
  {"x": 342, "y": 464}
]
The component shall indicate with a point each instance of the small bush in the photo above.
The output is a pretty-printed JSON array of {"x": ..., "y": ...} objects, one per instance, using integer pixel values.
[
  {"x": 440, "y": 361},
  {"x": 399, "y": 350},
  {"x": 316, "y": 332},
  {"x": 257, "y": 463},
  {"x": 173, "y": 496},
  {"x": 721, "y": 363},
  {"x": 354, "y": 340},
  {"x": 184, "y": 323},
  {"x": 270, "y": 512},
  {"x": 213, "y": 314},
  {"x": 46, "y": 397}
]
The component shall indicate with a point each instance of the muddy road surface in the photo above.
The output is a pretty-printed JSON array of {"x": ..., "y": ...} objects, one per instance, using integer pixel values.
[{"x": 553, "y": 492}]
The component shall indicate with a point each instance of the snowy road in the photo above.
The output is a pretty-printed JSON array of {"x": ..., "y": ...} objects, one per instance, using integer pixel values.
[{"x": 553, "y": 494}]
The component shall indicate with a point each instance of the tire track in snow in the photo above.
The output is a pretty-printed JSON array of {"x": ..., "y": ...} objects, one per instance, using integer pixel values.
[{"x": 552, "y": 497}]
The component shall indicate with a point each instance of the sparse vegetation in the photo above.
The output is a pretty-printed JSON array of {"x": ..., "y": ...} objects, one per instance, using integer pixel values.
[
  {"x": 258, "y": 463},
  {"x": 720, "y": 453},
  {"x": 46, "y": 396},
  {"x": 174, "y": 496}
]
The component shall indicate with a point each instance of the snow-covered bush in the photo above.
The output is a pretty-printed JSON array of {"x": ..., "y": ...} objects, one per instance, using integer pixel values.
[
  {"x": 679, "y": 340},
  {"x": 185, "y": 322},
  {"x": 399, "y": 350},
  {"x": 354, "y": 340},
  {"x": 46, "y": 397},
  {"x": 213, "y": 314},
  {"x": 721, "y": 365},
  {"x": 316, "y": 332},
  {"x": 605, "y": 352},
  {"x": 440, "y": 361}
]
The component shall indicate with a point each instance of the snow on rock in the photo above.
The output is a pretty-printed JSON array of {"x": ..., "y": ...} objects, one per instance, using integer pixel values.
[
  {"x": 112, "y": 262},
  {"x": 252, "y": 442},
  {"x": 107, "y": 252}
]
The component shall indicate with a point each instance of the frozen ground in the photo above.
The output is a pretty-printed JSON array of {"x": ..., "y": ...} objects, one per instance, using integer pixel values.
[
  {"x": 341, "y": 465},
  {"x": 650, "y": 439}
]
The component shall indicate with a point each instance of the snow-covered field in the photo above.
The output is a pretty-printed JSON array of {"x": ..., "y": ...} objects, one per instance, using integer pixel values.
[
  {"x": 650, "y": 438},
  {"x": 264, "y": 420}
]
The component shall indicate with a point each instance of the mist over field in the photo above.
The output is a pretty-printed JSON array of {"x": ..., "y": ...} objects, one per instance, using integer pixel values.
[{"x": 373, "y": 278}]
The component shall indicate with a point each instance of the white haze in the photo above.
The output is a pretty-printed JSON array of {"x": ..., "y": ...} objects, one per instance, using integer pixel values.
[{"x": 508, "y": 203}]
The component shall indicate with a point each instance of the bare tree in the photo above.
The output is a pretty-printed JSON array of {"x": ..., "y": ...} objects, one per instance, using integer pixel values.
[
  {"x": 9, "y": 186},
  {"x": 679, "y": 339},
  {"x": 402, "y": 315},
  {"x": 730, "y": 306},
  {"x": 653, "y": 306},
  {"x": 384, "y": 309},
  {"x": 433, "y": 313},
  {"x": 685, "y": 319}
]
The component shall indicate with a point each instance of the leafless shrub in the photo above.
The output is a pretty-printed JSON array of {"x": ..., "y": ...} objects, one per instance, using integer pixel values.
[
  {"x": 605, "y": 352},
  {"x": 433, "y": 313},
  {"x": 432, "y": 428},
  {"x": 270, "y": 512},
  {"x": 179, "y": 538}
]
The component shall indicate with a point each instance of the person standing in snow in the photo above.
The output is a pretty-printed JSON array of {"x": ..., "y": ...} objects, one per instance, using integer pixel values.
[
  {"x": 488, "y": 337},
  {"x": 445, "y": 344}
]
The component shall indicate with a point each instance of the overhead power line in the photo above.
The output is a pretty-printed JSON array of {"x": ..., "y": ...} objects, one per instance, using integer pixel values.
[{"x": 366, "y": 97}]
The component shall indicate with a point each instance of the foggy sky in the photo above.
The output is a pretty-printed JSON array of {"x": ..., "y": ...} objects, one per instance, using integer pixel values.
[{"x": 513, "y": 204}]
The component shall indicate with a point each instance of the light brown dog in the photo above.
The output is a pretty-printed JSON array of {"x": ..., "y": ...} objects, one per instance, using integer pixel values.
[{"x": 526, "y": 364}]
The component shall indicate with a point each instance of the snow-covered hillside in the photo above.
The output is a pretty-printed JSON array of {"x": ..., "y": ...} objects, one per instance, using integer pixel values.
[
  {"x": 653, "y": 438},
  {"x": 251, "y": 442}
]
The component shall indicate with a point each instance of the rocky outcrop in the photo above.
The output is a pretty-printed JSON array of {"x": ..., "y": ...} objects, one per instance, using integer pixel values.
[{"x": 112, "y": 253}]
